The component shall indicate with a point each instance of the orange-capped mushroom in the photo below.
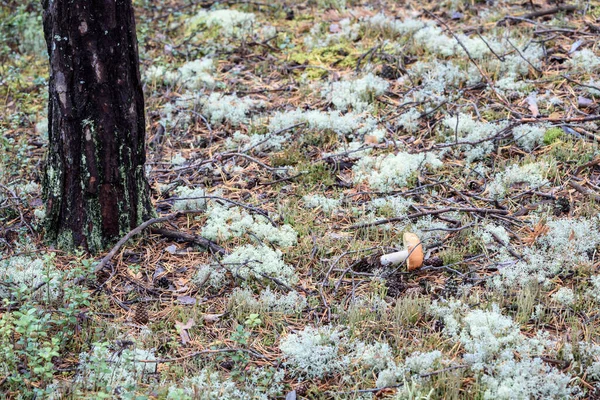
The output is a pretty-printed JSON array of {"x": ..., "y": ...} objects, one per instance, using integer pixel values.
[{"x": 412, "y": 253}]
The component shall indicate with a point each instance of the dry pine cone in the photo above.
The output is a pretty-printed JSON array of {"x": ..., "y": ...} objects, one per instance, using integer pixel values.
[{"x": 141, "y": 314}]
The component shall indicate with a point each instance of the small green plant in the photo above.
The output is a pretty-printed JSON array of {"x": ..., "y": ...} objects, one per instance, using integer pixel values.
[
  {"x": 33, "y": 337},
  {"x": 552, "y": 135},
  {"x": 317, "y": 174},
  {"x": 253, "y": 321},
  {"x": 240, "y": 335},
  {"x": 409, "y": 310},
  {"x": 240, "y": 358},
  {"x": 526, "y": 302},
  {"x": 290, "y": 156},
  {"x": 28, "y": 347}
]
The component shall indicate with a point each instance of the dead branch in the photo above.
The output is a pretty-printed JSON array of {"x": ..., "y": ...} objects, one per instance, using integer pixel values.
[
  {"x": 186, "y": 237},
  {"x": 138, "y": 230},
  {"x": 509, "y": 20},
  {"x": 237, "y": 203},
  {"x": 585, "y": 191},
  {"x": 202, "y": 352},
  {"x": 430, "y": 212},
  {"x": 471, "y": 59}
]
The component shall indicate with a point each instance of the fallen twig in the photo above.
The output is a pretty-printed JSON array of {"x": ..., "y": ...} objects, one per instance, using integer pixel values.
[
  {"x": 536, "y": 14},
  {"x": 471, "y": 59},
  {"x": 585, "y": 191},
  {"x": 187, "y": 237},
  {"x": 430, "y": 212},
  {"x": 237, "y": 203},
  {"x": 201, "y": 352},
  {"x": 138, "y": 230}
]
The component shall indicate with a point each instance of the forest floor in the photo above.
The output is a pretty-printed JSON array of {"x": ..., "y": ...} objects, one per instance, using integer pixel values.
[{"x": 299, "y": 141}]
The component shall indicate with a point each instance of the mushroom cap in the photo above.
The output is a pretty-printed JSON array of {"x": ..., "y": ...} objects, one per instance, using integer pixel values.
[{"x": 413, "y": 245}]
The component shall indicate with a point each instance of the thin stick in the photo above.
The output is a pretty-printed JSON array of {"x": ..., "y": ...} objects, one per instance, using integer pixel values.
[
  {"x": 237, "y": 203},
  {"x": 138, "y": 230},
  {"x": 198, "y": 353},
  {"x": 483, "y": 74},
  {"x": 199, "y": 240},
  {"x": 536, "y": 14},
  {"x": 585, "y": 191},
  {"x": 431, "y": 212}
]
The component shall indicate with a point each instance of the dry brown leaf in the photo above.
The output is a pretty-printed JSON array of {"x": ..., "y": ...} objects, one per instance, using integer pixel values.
[
  {"x": 369, "y": 139},
  {"x": 212, "y": 318},
  {"x": 332, "y": 15},
  {"x": 539, "y": 229},
  {"x": 186, "y": 300},
  {"x": 182, "y": 329},
  {"x": 533, "y": 107}
]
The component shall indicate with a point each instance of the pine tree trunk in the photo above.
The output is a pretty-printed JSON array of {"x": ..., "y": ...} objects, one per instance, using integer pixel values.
[{"x": 95, "y": 187}]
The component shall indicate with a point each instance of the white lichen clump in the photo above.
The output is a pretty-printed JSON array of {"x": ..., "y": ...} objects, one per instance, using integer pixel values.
[
  {"x": 197, "y": 74},
  {"x": 192, "y": 75},
  {"x": 41, "y": 128},
  {"x": 492, "y": 342},
  {"x": 357, "y": 94},
  {"x": 416, "y": 364},
  {"x": 531, "y": 174},
  {"x": 220, "y": 108},
  {"x": 315, "y": 352},
  {"x": 114, "y": 371},
  {"x": 210, "y": 275},
  {"x": 211, "y": 385},
  {"x": 485, "y": 334},
  {"x": 565, "y": 245},
  {"x": 260, "y": 142},
  {"x": 374, "y": 356},
  {"x": 438, "y": 80},
  {"x": 490, "y": 234},
  {"x": 345, "y": 125},
  {"x": 189, "y": 198},
  {"x": 594, "y": 291},
  {"x": 259, "y": 262},
  {"x": 318, "y": 352},
  {"x": 421, "y": 363},
  {"x": 564, "y": 296},
  {"x": 390, "y": 172},
  {"x": 397, "y": 205},
  {"x": 593, "y": 87},
  {"x": 585, "y": 59},
  {"x": 426, "y": 34},
  {"x": 326, "y": 204},
  {"x": 518, "y": 64},
  {"x": 529, "y": 378},
  {"x": 268, "y": 301},
  {"x": 28, "y": 273},
  {"x": 232, "y": 23},
  {"x": 178, "y": 159},
  {"x": 464, "y": 128},
  {"x": 409, "y": 120},
  {"x": 224, "y": 223},
  {"x": 529, "y": 136},
  {"x": 344, "y": 30},
  {"x": 406, "y": 26}
]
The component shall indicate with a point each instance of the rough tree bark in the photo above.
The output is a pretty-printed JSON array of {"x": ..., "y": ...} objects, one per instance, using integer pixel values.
[{"x": 94, "y": 183}]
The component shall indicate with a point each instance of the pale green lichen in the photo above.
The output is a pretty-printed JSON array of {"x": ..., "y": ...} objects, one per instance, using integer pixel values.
[
  {"x": 53, "y": 181},
  {"x": 95, "y": 241},
  {"x": 65, "y": 240}
]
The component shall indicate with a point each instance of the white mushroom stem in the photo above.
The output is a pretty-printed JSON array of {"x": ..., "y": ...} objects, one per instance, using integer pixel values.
[{"x": 394, "y": 258}]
